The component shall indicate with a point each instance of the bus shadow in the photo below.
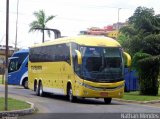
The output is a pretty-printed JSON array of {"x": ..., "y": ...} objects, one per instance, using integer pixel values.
[
  {"x": 91, "y": 101},
  {"x": 15, "y": 87},
  {"x": 94, "y": 101}
]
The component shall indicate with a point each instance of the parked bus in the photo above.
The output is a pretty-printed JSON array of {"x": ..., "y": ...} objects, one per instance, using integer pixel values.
[
  {"x": 18, "y": 68},
  {"x": 81, "y": 66}
]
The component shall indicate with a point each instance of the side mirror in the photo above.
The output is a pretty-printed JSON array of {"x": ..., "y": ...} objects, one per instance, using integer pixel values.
[
  {"x": 128, "y": 59},
  {"x": 79, "y": 57}
]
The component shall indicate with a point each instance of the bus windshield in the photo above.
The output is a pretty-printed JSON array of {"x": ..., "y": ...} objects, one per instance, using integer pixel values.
[
  {"x": 102, "y": 64},
  {"x": 16, "y": 61}
]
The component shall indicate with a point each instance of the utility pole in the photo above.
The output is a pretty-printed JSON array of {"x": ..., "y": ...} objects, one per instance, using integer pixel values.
[
  {"x": 6, "y": 63},
  {"x": 118, "y": 19},
  {"x": 16, "y": 25}
]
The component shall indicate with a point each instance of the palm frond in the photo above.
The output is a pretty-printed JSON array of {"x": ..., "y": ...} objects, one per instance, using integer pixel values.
[
  {"x": 40, "y": 15},
  {"x": 34, "y": 25},
  {"x": 49, "y": 18},
  {"x": 37, "y": 15},
  {"x": 40, "y": 22}
]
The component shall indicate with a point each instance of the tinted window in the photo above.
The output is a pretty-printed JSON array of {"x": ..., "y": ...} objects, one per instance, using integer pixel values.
[
  {"x": 16, "y": 62},
  {"x": 14, "y": 65},
  {"x": 60, "y": 52}
]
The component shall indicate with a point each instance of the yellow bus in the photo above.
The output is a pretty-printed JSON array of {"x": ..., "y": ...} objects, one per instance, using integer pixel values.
[{"x": 80, "y": 66}]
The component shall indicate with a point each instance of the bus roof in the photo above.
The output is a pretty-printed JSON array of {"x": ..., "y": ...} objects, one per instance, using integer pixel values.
[
  {"x": 85, "y": 40},
  {"x": 22, "y": 51}
]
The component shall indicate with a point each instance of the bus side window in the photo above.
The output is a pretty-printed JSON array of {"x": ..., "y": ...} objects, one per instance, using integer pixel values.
[{"x": 67, "y": 55}]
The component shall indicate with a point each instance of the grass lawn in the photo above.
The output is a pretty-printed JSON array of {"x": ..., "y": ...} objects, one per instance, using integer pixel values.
[
  {"x": 135, "y": 96},
  {"x": 0, "y": 79},
  {"x": 13, "y": 104}
]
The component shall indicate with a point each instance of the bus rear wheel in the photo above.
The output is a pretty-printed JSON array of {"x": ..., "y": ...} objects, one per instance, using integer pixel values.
[
  {"x": 41, "y": 93},
  {"x": 70, "y": 95},
  {"x": 107, "y": 100},
  {"x": 37, "y": 90}
]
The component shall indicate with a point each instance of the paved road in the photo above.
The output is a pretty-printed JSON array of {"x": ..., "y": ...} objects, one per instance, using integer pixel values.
[{"x": 59, "y": 104}]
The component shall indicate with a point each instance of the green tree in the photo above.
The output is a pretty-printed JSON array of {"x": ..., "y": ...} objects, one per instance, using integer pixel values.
[
  {"x": 142, "y": 40},
  {"x": 151, "y": 44},
  {"x": 133, "y": 39},
  {"x": 148, "y": 75},
  {"x": 142, "y": 26},
  {"x": 142, "y": 19},
  {"x": 40, "y": 23}
]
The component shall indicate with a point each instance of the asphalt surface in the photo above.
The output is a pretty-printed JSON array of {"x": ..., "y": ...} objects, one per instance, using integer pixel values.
[{"x": 58, "y": 106}]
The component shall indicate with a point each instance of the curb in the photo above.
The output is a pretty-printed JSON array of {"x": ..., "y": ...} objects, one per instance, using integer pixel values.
[
  {"x": 17, "y": 113},
  {"x": 138, "y": 102}
]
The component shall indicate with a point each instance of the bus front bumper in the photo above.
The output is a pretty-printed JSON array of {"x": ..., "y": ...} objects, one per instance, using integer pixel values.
[{"x": 90, "y": 92}]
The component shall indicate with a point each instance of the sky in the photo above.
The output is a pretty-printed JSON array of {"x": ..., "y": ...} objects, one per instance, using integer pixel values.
[{"x": 72, "y": 16}]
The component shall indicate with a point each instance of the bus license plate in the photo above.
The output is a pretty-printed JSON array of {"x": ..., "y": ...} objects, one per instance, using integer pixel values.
[{"x": 104, "y": 93}]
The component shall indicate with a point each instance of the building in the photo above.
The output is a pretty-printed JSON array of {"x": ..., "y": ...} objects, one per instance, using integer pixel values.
[
  {"x": 113, "y": 34},
  {"x": 119, "y": 25},
  {"x": 109, "y": 31},
  {"x": 96, "y": 31},
  {"x": 2, "y": 56}
]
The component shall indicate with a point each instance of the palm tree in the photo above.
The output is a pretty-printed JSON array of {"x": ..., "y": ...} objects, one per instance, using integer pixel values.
[{"x": 40, "y": 23}]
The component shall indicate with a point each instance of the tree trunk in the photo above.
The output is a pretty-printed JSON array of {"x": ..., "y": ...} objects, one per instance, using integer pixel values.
[{"x": 43, "y": 36}]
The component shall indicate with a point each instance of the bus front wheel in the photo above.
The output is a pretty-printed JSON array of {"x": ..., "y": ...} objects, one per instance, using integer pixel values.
[{"x": 107, "y": 100}]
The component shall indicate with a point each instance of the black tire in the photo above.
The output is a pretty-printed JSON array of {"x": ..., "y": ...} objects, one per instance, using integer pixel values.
[
  {"x": 25, "y": 84},
  {"x": 107, "y": 100},
  {"x": 41, "y": 93},
  {"x": 71, "y": 98},
  {"x": 37, "y": 90},
  {"x": 35, "y": 86}
]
